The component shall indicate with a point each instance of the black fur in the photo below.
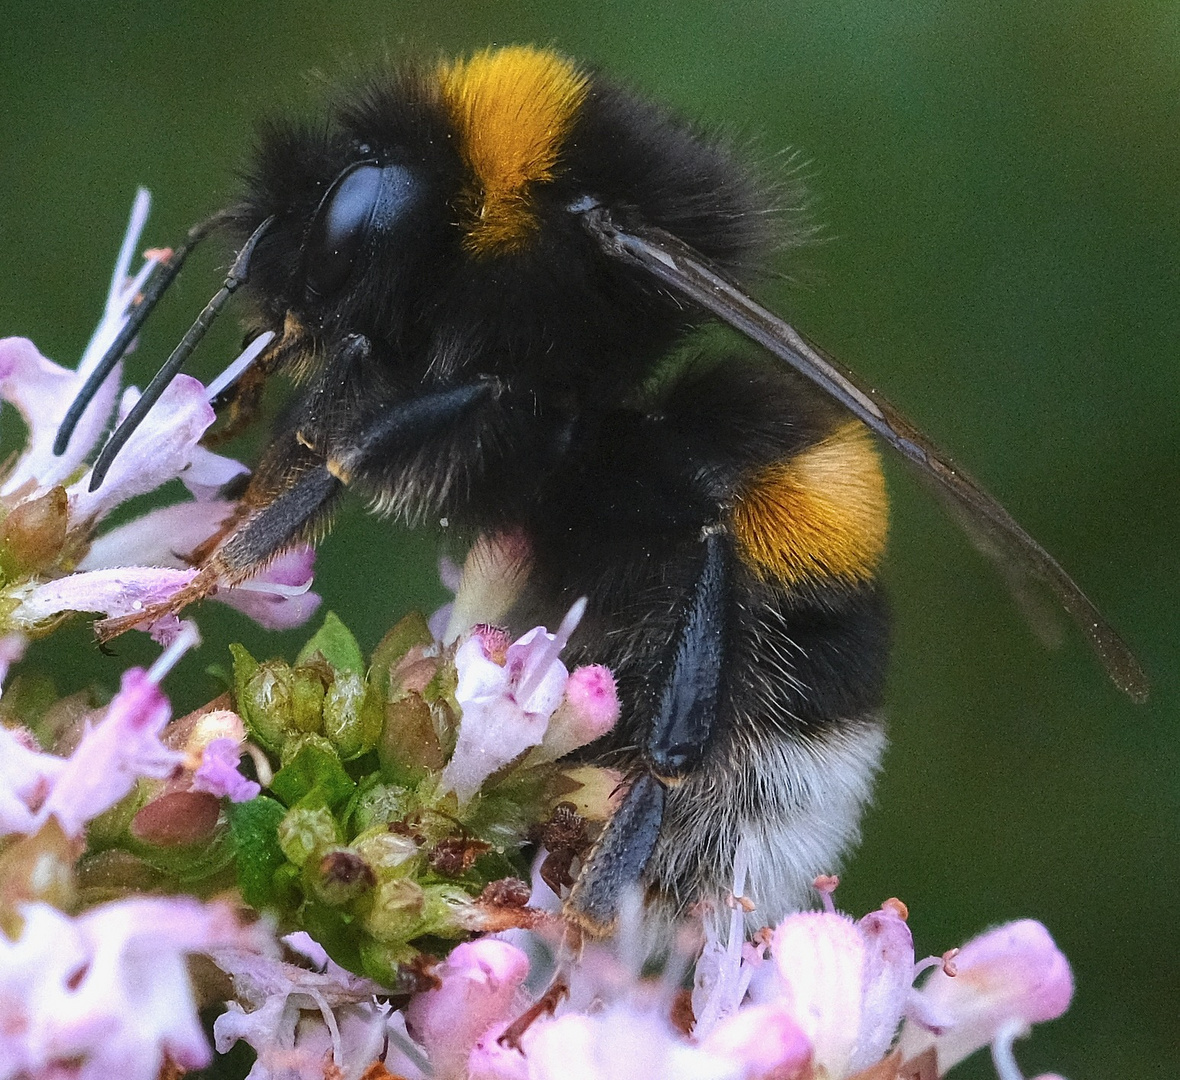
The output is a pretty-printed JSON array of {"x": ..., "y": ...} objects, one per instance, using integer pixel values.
[{"x": 614, "y": 454}]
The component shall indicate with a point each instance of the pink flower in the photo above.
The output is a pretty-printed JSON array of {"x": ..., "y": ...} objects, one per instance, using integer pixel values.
[
  {"x": 765, "y": 1039},
  {"x": 218, "y": 773},
  {"x": 506, "y": 707},
  {"x": 724, "y": 969},
  {"x": 106, "y": 763},
  {"x": 145, "y": 562},
  {"x": 277, "y": 597},
  {"x": 42, "y": 391},
  {"x": 162, "y": 448},
  {"x": 623, "y": 1042},
  {"x": 26, "y": 777},
  {"x": 481, "y": 983},
  {"x": 113, "y": 755},
  {"x": 114, "y": 592},
  {"x": 1012, "y": 975},
  {"x": 107, "y": 993},
  {"x": 845, "y": 983}
]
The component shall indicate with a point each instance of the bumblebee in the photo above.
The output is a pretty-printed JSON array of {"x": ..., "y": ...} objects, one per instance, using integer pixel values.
[{"x": 484, "y": 277}]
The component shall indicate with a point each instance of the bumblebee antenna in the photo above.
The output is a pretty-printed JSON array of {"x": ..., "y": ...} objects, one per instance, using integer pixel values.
[
  {"x": 162, "y": 277},
  {"x": 238, "y": 274}
]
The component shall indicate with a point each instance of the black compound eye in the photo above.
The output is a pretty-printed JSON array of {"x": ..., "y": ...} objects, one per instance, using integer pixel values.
[{"x": 363, "y": 198}]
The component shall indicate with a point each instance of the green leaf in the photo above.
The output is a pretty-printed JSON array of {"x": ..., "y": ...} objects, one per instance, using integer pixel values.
[
  {"x": 313, "y": 776},
  {"x": 254, "y": 829},
  {"x": 335, "y": 643},
  {"x": 337, "y": 931}
]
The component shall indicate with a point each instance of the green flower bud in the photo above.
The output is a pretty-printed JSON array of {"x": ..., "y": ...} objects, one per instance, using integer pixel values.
[
  {"x": 306, "y": 830},
  {"x": 396, "y": 914},
  {"x": 353, "y": 716},
  {"x": 263, "y": 697},
  {"x": 307, "y": 700},
  {"x": 380, "y": 804},
  {"x": 446, "y": 912},
  {"x": 388, "y": 853}
]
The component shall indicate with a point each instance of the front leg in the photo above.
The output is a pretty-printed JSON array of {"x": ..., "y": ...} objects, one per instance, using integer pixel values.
[
  {"x": 680, "y": 732},
  {"x": 292, "y": 495}
]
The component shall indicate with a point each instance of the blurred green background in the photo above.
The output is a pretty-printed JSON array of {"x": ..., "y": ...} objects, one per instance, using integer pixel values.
[{"x": 999, "y": 186}]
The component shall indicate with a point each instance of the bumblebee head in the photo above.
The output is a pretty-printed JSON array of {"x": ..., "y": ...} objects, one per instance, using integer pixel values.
[{"x": 439, "y": 213}]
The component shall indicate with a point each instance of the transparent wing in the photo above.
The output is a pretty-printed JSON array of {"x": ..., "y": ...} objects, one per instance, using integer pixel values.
[{"x": 688, "y": 273}]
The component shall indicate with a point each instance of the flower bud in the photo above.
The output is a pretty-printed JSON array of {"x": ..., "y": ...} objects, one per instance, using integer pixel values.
[
  {"x": 33, "y": 534},
  {"x": 380, "y": 804},
  {"x": 386, "y": 852},
  {"x": 409, "y": 633},
  {"x": 352, "y": 717},
  {"x": 37, "y": 867},
  {"x": 588, "y": 710},
  {"x": 409, "y": 746},
  {"x": 307, "y": 700},
  {"x": 396, "y": 914},
  {"x": 262, "y": 698},
  {"x": 306, "y": 830},
  {"x": 208, "y": 728},
  {"x": 177, "y": 819},
  {"x": 338, "y": 876}
]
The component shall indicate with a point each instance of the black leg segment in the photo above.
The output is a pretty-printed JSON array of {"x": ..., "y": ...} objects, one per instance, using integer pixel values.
[
  {"x": 687, "y": 710},
  {"x": 618, "y": 860}
]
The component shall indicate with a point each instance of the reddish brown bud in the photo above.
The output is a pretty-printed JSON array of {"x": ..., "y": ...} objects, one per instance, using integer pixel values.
[
  {"x": 34, "y": 533},
  {"x": 177, "y": 818}
]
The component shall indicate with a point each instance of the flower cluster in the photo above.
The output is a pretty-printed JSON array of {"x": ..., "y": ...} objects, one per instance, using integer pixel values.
[
  {"x": 51, "y": 560},
  {"x": 398, "y": 793},
  {"x": 379, "y": 812},
  {"x": 376, "y": 817},
  {"x": 106, "y": 991},
  {"x": 819, "y": 997}
]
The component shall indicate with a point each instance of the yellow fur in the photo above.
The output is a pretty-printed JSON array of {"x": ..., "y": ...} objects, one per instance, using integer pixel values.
[
  {"x": 820, "y": 514},
  {"x": 512, "y": 109}
]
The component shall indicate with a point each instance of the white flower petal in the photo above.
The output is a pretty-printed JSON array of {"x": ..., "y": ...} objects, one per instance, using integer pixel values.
[
  {"x": 163, "y": 537},
  {"x": 42, "y": 392},
  {"x": 116, "y": 591},
  {"x": 159, "y": 450}
]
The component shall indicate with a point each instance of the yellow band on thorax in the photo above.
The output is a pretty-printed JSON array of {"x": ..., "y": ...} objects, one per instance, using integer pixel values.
[{"x": 512, "y": 109}]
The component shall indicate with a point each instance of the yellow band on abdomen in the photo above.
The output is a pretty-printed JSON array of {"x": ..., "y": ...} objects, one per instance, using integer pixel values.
[{"x": 821, "y": 514}]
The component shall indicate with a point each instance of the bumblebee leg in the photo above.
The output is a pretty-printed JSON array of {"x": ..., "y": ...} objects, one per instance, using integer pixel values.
[
  {"x": 296, "y": 489},
  {"x": 679, "y": 736},
  {"x": 683, "y": 724},
  {"x": 618, "y": 860},
  {"x": 299, "y": 508}
]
